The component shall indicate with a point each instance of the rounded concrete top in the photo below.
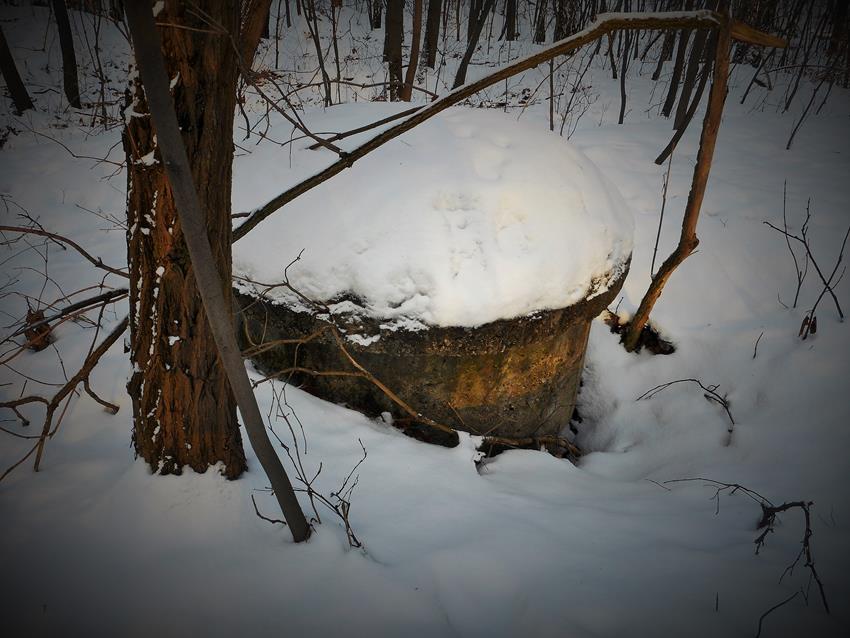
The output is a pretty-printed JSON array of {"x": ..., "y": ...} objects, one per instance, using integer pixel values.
[{"x": 468, "y": 218}]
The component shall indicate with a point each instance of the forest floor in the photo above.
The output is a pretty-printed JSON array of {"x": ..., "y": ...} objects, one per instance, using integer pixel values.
[{"x": 630, "y": 540}]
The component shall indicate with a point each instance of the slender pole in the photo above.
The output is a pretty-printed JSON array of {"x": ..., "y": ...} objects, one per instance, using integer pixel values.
[{"x": 155, "y": 80}]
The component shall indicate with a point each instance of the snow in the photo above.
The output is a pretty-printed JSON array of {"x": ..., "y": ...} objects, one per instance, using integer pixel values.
[
  {"x": 93, "y": 544},
  {"x": 468, "y": 218}
]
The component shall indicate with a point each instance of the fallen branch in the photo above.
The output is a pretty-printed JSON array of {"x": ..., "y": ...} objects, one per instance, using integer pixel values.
[
  {"x": 64, "y": 394},
  {"x": 767, "y": 523}
]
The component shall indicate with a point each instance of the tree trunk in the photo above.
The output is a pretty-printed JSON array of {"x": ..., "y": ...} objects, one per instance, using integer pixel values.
[
  {"x": 20, "y": 97},
  {"x": 432, "y": 32},
  {"x": 697, "y": 51},
  {"x": 563, "y": 21},
  {"x": 474, "y": 10},
  {"x": 460, "y": 78},
  {"x": 392, "y": 45},
  {"x": 510, "y": 20},
  {"x": 416, "y": 38},
  {"x": 69, "y": 59},
  {"x": 540, "y": 23},
  {"x": 678, "y": 66},
  {"x": 375, "y": 15},
  {"x": 183, "y": 409}
]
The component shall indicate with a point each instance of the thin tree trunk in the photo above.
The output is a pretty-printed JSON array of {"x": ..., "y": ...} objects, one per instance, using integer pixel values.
[
  {"x": 688, "y": 239},
  {"x": 392, "y": 45},
  {"x": 540, "y": 23},
  {"x": 666, "y": 51},
  {"x": 20, "y": 97},
  {"x": 336, "y": 7},
  {"x": 313, "y": 27},
  {"x": 510, "y": 20},
  {"x": 678, "y": 66},
  {"x": 69, "y": 59},
  {"x": 376, "y": 14},
  {"x": 564, "y": 19},
  {"x": 183, "y": 410},
  {"x": 460, "y": 78},
  {"x": 623, "y": 70},
  {"x": 474, "y": 12},
  {"x": 432, "y": 32},
  {"x": 412, "y": 63},
  {"x": 697, "y": 52}
]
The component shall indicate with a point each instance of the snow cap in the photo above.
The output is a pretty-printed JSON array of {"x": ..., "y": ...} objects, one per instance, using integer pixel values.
[{"x": 470, "y": 217}]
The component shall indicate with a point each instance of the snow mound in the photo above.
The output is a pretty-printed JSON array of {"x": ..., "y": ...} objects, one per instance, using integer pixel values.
[{"x": 468, "y": 218}]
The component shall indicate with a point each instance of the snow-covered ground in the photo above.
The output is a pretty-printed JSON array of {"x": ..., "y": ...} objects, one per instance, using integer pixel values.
[{"x": 530, "y": 545}]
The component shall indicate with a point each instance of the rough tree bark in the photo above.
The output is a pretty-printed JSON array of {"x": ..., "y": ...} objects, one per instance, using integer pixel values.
[
  {"x": 20, "y": 97},
  {"x": 183, "y": 409},
  {"x": 215, "y": 297}
]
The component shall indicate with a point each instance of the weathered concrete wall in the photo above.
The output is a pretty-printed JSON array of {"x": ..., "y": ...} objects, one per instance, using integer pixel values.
[{"x": 513, "y": 378}]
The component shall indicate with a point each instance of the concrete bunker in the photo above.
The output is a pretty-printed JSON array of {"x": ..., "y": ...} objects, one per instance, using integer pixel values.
[{"x": 461, "y": 266}]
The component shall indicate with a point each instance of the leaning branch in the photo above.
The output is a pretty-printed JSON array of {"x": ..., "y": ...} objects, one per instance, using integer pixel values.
[{"x": 604, "y": 24}]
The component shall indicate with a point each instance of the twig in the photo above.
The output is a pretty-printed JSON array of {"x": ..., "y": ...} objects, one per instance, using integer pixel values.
[
  {"x": 43, "y": 233},
  {"x": 774, "y": 608},
  {"x": 710, "y": 394},
  {"x": 265, "y": 518},
  {"x": 756, "y": 347},
  {"x": 767, "y": 524}
]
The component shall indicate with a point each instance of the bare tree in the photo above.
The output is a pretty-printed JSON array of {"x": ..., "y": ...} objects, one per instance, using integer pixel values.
[
  {"x": 215, "y": 297},
  {"x": 183, "y": 409}
]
